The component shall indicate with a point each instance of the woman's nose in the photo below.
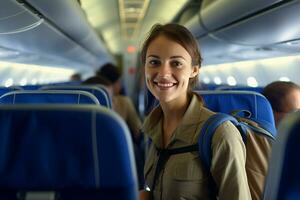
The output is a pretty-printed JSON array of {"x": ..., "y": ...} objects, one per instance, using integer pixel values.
[{"x": 165, "y": 70}]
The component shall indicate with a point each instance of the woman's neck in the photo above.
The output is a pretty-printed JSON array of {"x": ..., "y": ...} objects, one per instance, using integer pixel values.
[
  {"x": 175, "y": 109},
  {"x": 173, "y": 113}
]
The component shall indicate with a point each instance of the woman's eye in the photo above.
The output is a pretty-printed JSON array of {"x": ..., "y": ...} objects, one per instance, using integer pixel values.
[
  {"x": 176, "y": 64},
  {"x": 154, "y": 62}
]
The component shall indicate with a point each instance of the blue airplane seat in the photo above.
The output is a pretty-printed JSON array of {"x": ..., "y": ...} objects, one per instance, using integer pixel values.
[
  {"x": 98, "y": 90},
  {"x": 42, "y": 97},
  {"x": 65, "y": 151},
  {"x": 208, "y": 86},
  {"x": 243, "y": 88},
  {"x": 4, "y": 90},
  {"x": 283, "y": 180},
  {"x": 31, "y": 87},
  {"x": 228, "y": 101}
]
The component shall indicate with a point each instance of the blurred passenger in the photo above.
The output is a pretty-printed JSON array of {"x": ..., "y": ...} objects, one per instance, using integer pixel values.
[
  {"x": 125, "y": 108},
  {"x": 121, "y": 104},
  {"x": 75, "y": 77},
  {"x": 102, "y": 81},
  {"x": 172, "y": 61},
  {"x": 284, "y": 98}
]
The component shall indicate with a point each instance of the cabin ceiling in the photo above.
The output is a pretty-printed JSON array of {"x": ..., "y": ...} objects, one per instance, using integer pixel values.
[
  {"x": 63, "y": 33},
  {"x": 125, "y": 22}
]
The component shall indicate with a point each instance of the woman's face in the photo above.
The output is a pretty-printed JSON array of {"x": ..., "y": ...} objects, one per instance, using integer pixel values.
[{"x": 168, "y": 68}]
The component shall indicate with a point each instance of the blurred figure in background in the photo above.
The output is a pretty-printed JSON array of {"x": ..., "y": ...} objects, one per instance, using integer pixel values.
[
  {"x": 75, "y": 77},
  {"x": 121, "y": 104},
  {"x": 102, "y": 81},
  {"x": 284, "y": 98}
]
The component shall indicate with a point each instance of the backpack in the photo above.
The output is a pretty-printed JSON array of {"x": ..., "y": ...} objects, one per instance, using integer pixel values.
[{"x": 257, "y": 136}]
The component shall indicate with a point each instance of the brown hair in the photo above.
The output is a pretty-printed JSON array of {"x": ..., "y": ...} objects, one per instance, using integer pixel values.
[
  {"x": 277, "y": 91},
  {"x": 178, "y": 34},
  {"x": 110, "y": 72},
  {"x": 97, "y": 80}
]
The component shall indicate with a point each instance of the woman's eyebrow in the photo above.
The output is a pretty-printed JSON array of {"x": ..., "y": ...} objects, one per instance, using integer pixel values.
[
  {"x": 155, "y": 56},
  {"x": 178, "y": 57}
]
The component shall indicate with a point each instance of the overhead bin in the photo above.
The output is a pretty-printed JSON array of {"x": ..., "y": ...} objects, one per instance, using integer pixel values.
[
  {"x": 15, "y": 19},
  {"x": 273, "y": 26},
  {"x": 71, "y": 20},
  {"x": 6, "y": 13},
  {"x": 216, "y": 14},
  {"x": 255, "y": 30},
  {"x": 195, "y": 26},
  {"x": 38, "y": 40}
]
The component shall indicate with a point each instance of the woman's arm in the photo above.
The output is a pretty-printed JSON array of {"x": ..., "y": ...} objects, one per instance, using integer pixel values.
[{"x": 228, "y": 163}]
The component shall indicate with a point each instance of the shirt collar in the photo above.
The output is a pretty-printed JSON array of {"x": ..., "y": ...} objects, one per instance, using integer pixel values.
[{"x": 153, "y": 123}]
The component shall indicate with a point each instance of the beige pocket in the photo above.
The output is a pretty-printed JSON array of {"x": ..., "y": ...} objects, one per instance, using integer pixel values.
[
  {"x": 187, "y": 181},
  {"x": 188, "y": 168}
]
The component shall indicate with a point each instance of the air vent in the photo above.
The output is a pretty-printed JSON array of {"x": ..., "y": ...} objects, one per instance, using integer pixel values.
[{"x": 131, "y": 14}]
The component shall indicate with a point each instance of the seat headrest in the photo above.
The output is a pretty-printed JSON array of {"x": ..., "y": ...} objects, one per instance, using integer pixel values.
[
  {"x": 98, "y": 90},
  {"x": 243, "y": 88},
  {"x": 228, "y": 101},
  {"x": 65, "y": 147},
  {"x": 54, "y": 96}
]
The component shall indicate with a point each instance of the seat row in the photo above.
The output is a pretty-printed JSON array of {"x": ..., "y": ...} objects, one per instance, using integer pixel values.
[
  {"x": 95, "y": 94},
  {"x": 64, "y": 142},
  {"x": 85, "y": 152}
]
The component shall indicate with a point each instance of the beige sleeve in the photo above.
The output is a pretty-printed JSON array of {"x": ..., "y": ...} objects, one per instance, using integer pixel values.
[
  {"x": 132, "y": 118},
  {"x": 228, "y": 163}
]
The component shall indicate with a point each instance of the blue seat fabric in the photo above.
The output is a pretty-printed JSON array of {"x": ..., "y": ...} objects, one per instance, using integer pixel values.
[
  {"x": 283, "y": 181},
  {"x": 73, "y": 151},
  {"x": 228, "y": 101},
  {"x": 100, "y": 93},
  {"x": 41, "y": 98}
]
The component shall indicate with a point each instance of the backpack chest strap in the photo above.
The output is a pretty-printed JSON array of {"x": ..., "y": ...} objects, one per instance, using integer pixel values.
[{"x": 163, "y": 157}]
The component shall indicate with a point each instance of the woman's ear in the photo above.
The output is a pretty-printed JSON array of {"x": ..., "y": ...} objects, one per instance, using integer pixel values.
[{"x": 195, "y": 71}]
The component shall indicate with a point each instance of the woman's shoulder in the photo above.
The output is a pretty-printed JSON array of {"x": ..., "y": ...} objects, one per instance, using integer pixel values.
[
  {"x": 227, "y": 133},
  {"x": 121, "y": 98}
]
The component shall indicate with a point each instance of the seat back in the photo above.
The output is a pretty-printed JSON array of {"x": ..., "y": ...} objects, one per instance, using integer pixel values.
[
  {"x": 283, "y": 181},
  {"x": 4, "y": 90},
  {"x": 42, "y": 97},
  {"x": 228, "y": 101},
  {"x": 98, "y": 90},
  {"x": 69, "y": 151},
  {"x": 243, "y": 88}
]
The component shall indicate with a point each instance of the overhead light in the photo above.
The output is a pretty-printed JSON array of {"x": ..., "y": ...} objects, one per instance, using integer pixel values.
[
  {"x": 206, "y": 80},
  {"x": 284, "y": 78},
  {"x": 9, "y": 82},
  {"x": 34, "y": 81},
  {"x": 131, "y": 49},
  {"x": 231, "y": 81},
  {"x": 217, "y": 80},
  {"x": 251, "y": 82},
  {"x": 23, "y": 82},
  {"x": 23, "y": 73}
]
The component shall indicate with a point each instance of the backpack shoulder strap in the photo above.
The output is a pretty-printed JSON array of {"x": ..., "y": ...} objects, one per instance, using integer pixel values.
[
  {"x": 163, "y": 157},
  {"x": 207, "y": 133}
]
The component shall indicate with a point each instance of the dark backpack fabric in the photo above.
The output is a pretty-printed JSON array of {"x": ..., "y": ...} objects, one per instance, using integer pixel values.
[
  {"x": 257, "y": 138},
  {"x": 258, "y": 142}
]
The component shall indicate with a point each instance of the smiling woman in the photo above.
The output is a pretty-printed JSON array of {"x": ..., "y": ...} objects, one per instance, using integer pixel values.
[
  {"x": 172, "y": 61},
  {"x": 168, "y": 69}
]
